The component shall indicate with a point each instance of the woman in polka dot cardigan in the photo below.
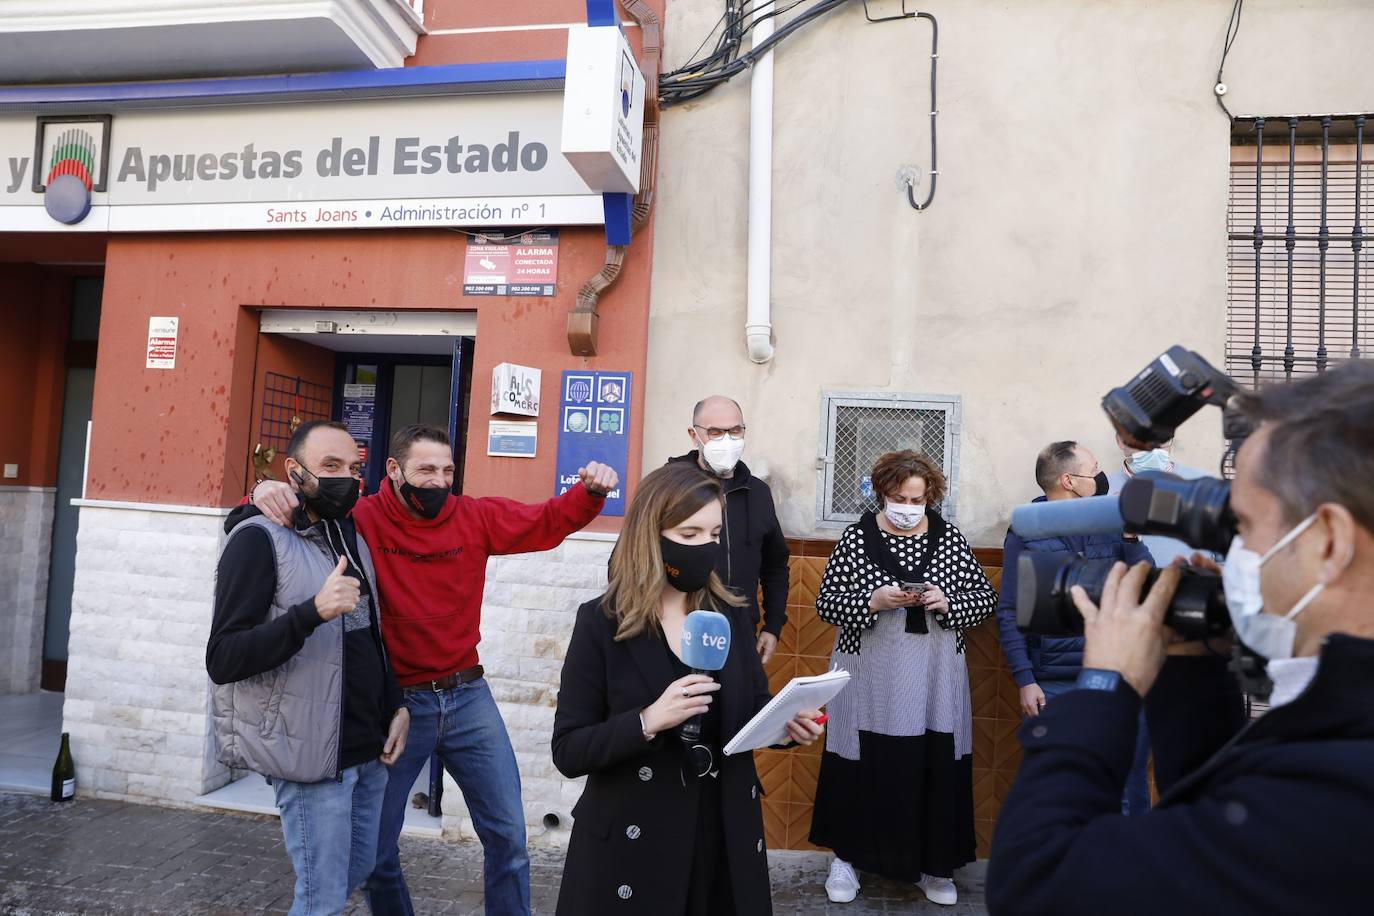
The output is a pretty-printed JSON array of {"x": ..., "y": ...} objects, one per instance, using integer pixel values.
[{"x": 895, "y": 795}]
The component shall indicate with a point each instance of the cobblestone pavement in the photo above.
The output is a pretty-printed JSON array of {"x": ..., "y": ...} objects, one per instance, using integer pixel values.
[{"x": 110, "y": 857}]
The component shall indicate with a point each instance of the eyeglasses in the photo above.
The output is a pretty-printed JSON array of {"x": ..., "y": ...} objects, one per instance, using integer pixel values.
[{"x": 714, "y": 432}]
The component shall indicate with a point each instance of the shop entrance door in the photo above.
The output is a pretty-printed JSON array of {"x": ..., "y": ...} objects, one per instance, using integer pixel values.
[
  {"x": 78, "y": 396},
  {"x": 389, "y": 369},
  {"x": 376, "y": 394}
]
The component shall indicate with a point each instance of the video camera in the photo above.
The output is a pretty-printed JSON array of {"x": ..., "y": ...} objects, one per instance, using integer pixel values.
[
  {"x": 1149, "y": 408},
  {"x": 1146, "y": 412}
]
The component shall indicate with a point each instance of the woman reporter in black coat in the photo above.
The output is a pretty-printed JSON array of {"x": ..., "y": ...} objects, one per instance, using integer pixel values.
[{"x": 663, "y": 828}]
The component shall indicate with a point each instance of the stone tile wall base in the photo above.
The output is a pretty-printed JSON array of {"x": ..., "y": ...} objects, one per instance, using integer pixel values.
[
  {"x": 26, "y": 515},
  {"x": 528, "y": 611},
  {"x": 137, "y": 703}
]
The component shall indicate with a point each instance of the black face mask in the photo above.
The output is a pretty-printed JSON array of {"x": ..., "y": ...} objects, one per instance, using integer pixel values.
[
  {"x": 334, "y": 497},
  {"x": 688, "y": 566},
  {"x": 1100, "y": 485},
  {"x": 428, "y": 501}
]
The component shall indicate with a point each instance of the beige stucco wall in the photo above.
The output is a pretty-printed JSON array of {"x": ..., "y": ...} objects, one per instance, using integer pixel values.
[{"x": 1078, "y": 230}]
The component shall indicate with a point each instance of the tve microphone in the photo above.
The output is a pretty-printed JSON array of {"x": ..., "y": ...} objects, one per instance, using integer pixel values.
[
  {"x": 705, "y": 646},
  {"x": 1062, "y": 518}
]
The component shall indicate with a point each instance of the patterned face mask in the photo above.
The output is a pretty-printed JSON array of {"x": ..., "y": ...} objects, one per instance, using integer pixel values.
[{"x": 904, "y": 518}]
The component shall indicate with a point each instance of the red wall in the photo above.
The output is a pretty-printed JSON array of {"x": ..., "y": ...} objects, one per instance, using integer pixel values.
[
  {"x": 35, "y": 315},
  {"x": 525, "y": 44},
  {"x": 183, "y": 436}
]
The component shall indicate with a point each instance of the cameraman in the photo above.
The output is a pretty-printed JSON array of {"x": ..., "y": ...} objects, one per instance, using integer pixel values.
[{"x": 1271, "y": 817}]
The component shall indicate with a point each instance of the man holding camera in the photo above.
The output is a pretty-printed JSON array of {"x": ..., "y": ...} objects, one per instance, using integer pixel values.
[{"x": 1268, "y": 817}]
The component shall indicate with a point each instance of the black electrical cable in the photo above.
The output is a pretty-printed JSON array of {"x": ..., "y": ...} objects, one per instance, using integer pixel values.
[
  {"x": 1232, "y": 30},
  {"x": 777, "y": 11},
  {"x": 934, "y": 110},
  {"x": 722, "y": 74},
  {"x": 727, "y": 45},
  {"x": 742, "y": 63},
  {"x": 698, "y": 78},
  {"x": 726, "y": 49}
]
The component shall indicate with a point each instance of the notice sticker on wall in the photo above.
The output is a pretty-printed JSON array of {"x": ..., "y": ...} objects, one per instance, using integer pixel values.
[
  {"x": 505, "y": 265},
  {"x": 162, "y": 343},
  {"x": 507, "y": 439}
]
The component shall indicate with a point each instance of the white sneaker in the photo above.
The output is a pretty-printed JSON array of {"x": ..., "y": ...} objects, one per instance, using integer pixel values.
[
  {"x": 843, "y": 884},
  {"x": 938, "y": 890}
]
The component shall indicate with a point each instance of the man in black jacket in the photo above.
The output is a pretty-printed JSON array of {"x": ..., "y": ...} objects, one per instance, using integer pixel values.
[
  {"x": 1270, "y": 817},
  {"x": 305, "y": 694},
  {"x": 754, "y": 549}
]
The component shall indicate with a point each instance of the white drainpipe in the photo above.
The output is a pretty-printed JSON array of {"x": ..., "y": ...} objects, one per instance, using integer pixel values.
[{"x": 758, "y": 328}]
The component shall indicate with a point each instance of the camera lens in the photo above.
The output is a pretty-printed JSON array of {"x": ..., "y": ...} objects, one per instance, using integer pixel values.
[
  {"x": 1197, "y": 512},
  {"x": 1044, "y": 604}
]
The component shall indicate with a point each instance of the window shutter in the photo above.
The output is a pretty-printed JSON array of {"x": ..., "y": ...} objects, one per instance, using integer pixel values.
[{"x": 1292, "y": 329}]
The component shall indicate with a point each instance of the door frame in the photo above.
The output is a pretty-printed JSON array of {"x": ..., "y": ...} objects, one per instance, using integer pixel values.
[{"x": 460, "y": 396}]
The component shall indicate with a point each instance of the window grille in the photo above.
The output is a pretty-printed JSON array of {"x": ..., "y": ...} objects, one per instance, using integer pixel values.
[
  {"x": 859, "y": 426},
  {"x": 285, "y": 397},
  {"x": 1298, "y": 266}
]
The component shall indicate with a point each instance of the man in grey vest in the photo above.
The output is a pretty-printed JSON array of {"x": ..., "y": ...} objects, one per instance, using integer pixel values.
[{"x": 304, "y": 692}]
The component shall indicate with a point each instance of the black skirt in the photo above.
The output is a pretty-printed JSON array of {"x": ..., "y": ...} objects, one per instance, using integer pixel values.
[
  {"x": 904, "y": 808},
  {"x": 709, "y": 891}
]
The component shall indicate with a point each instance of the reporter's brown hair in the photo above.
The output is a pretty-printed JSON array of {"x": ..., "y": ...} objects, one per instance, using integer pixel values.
[
  {"x": 896, "y": 468},
  {"x": 665, "y": 499}
]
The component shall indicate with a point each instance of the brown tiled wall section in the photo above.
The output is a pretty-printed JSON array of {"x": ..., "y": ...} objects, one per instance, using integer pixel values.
[{"x": 789, "y": 777}]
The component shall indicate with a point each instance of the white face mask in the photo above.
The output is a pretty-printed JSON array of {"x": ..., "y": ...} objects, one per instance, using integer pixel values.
[
  {"x": 902, "y": 517},
  {"x": 1154, "y": 460},
  {"x": 722, "y": 454},
  {"x": 1266, "y": 634},
  {"x": 1291, "y": 677}
]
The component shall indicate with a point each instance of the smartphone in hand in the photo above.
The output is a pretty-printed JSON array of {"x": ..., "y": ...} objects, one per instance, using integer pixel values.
[{"x": 914, "y": 587}]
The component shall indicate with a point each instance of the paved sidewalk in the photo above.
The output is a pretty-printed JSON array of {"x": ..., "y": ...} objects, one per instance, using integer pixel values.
[{"x": 110, "y": 857}]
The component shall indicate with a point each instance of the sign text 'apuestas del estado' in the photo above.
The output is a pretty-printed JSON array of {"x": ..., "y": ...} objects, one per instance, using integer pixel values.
[{"x": 406, "y": 156}]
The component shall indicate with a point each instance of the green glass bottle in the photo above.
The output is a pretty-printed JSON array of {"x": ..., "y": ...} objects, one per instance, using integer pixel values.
[{"x": 64, "y": 773}]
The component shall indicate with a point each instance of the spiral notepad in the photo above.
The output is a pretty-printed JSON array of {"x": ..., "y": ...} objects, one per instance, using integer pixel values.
[{"x": 769, "y": 727}]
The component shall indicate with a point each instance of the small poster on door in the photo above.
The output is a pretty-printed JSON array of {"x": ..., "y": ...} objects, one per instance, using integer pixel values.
[
  {"x": 359, "y": 408},
  {"x": 511, "y": 265},
  {"x": 594, "y": 426},
  {"x": 162, "y": 343}
]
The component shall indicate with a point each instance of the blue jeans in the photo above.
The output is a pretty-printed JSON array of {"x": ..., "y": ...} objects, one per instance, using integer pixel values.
[
  {"x": 465, "y": 726},
  {"x": 1135, "y": 801},
  {"x": 330, "y": 829}
]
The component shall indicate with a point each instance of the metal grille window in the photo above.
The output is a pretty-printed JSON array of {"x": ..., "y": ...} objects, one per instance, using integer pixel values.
[
  {"x": 285, "y": 397},
  {"x": 1299, "y": 291},
  {"x": 859, "y": 426}
]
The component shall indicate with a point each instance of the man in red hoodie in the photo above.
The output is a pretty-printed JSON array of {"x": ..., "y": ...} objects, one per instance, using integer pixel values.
[{"x": 430, "y": 549}]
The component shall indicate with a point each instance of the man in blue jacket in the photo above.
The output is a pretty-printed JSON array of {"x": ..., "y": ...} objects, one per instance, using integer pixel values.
[
  {"x": 1046, "y": 666},
  {"x": 1273, "y": 816}
]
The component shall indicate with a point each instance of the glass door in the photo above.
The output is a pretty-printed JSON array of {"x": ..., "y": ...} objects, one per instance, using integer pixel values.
[{"x": 378, "y": 394}]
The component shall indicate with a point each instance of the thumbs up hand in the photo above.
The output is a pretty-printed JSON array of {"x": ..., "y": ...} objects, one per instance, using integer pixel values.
[{"x": 339, "y": 594}]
